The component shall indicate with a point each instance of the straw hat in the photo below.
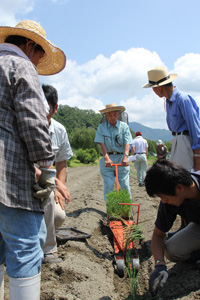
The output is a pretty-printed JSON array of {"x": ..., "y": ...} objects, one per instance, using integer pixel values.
[
  {"x": 54, "y": 59},
  {"x": 112, "y": 107},
  {"x": 159, "y": 76}
]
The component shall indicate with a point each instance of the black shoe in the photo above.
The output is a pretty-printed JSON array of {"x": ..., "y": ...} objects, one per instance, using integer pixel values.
[{"x": 141, "y": 184}]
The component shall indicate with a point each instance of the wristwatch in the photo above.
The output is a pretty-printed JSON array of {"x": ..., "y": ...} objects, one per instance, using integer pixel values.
[{"x": 126, "y": 154}]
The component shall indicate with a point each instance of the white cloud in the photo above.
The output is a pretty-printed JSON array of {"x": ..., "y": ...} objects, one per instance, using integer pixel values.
[
  {"x": 116, "y": 79},
  {"x": 188, "y": 69},
  {"x": 10, "y": 8},
  {"x": 119, "y": 79}
]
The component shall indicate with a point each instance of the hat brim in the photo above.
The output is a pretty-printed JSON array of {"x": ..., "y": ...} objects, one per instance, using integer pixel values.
[
  {"x": 117, "y": 108},
  {"x": 171, "y": 78},
  {"x": 54, "y": 59}
]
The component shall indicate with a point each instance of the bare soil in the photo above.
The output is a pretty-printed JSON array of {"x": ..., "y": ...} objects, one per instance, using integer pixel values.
[{"x": 87, "y": 271}]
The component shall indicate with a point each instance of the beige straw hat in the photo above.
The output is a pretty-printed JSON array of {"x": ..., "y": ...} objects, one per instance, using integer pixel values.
[
  {"x": 159, "y": 76},
  {"x": 54, "y": 59},
  {"x": 112, "y": 107}
]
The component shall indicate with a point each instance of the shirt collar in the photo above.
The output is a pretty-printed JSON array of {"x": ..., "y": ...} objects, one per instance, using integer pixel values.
[
  {"x": 13, "y": 48},
  {"x": 116, "y": 125},
  {"x": 173, "y": 95}
]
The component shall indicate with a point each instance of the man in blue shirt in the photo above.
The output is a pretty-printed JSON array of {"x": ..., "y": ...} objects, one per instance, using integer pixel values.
[
  {"x": 114, "y": 138},
  {"x": 179, "y": 193},
  {"x": 182, "y": 118}
]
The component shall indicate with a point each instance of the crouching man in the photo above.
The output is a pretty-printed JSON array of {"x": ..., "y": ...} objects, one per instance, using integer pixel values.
[{"x": 179, "y": 192}]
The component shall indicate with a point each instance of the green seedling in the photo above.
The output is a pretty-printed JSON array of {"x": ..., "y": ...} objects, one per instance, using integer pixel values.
[{"x": 116, "y": 211}]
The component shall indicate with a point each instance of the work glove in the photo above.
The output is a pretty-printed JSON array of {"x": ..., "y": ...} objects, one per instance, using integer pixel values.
[
  {"x": 45, "y": 185},
  {"x": 157, "y": 279}
]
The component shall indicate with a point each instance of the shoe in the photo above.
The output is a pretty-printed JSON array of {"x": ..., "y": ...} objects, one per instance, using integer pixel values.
[
  {"x": 50, "y": 258},
  {"x": 141, "y": 184}
]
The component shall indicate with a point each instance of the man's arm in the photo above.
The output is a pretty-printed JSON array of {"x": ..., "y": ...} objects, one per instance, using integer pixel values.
[
  {"x": 196, "y": 160},
  {"x": 108, "y": 161},
  {"x": 61, "y": 193},
  {"x": 125, "y": 161},
  {"x": 61, "y": 170},
  {"x": 132, "y": 150},
  {"x": 147, "y": 151},
  {"x": 157, "y": 244}
]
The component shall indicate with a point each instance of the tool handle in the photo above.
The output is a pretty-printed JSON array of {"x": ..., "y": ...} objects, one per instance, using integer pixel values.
[{"x": 116, "y": 170}]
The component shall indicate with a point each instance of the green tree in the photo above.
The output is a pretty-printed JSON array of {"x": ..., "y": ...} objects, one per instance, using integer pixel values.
[
  {"x": 73, "y": 117},
  {"x": 84, "y": 139}
]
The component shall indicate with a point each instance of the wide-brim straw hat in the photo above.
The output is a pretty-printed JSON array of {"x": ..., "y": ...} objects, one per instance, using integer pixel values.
[
  {"x": 159, "y": 76},
  {"x": 54, "y": 59},
  {"x": 112, "y": 107}
]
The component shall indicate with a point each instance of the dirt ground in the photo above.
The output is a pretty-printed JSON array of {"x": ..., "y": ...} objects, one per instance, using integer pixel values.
[{"x": 87, "y": 271}]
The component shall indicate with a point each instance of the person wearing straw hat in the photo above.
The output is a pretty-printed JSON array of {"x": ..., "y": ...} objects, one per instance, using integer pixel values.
[
  {"x": 114, "y": 137},
  {"x": 161, "y": 149},
  {"x": 24, "y": 140},
  {"x": 182, "y": 118}
]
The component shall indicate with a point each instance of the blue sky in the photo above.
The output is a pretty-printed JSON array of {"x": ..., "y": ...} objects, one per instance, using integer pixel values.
[{"x": 111, "y": 44}]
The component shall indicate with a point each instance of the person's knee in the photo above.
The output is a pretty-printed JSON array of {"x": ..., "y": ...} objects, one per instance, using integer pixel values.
[{"x": 174, "y": 253}]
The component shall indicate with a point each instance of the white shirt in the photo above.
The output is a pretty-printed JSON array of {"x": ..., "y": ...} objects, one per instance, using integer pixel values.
[
  {"x": 140, "y": 144},
  {"x": 60, "y": 142}
]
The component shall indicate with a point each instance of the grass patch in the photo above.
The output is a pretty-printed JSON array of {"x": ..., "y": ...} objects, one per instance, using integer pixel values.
[
  {"x": 151, "y": 160},
  {"x": 74, "y": 162}
]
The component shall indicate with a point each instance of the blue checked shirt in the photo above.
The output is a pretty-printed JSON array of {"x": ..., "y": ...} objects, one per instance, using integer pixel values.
[{"x": 24, "y": 136}]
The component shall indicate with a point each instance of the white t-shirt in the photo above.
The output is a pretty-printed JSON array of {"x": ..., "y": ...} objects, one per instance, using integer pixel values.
[
  {"x": 60, "y": 142},
  {"x": 140, "y": 144}
]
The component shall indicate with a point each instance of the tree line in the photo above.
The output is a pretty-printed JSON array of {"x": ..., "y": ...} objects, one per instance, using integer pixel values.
[{"x": 81, "y": 126}]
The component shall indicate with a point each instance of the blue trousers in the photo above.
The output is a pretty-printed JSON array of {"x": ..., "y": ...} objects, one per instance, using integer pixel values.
[
  {"x": 22, "y": 235},
  {"x": 109, "y": 175}
]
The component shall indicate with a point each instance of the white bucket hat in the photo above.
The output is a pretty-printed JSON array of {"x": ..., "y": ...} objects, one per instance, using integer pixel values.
[
  {"x": 54, "y": 59},
  {"x": 159, "y": 142},
  {"x": 159, "y": 76},
  {"x": 112, "y": 107}
]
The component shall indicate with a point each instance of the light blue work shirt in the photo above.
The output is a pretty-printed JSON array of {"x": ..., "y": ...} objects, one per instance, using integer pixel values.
[
  {"x": 183, "y": 114},
  {"x": 114, "y": 138}
]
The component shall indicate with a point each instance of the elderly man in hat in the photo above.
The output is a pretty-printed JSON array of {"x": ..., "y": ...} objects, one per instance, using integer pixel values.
[
  {"x": 115, "y": 138},
  {"x": 182, "y": 118},
  {"x": 24, "y": 140},
  {"x": 161, "y": 149},
  {"x": 140, "y": 149}
]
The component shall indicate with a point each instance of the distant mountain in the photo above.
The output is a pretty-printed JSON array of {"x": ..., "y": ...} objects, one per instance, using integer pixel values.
[{"x": 150, "y": 133}]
